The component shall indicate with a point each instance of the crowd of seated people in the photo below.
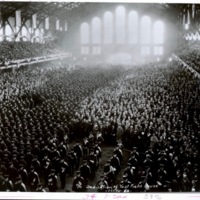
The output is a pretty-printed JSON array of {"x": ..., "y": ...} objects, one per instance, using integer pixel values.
[
  {"x": 156, "y": 111},
  {"x": 36, "y": 125},
  {"x": 20, "y": 50},
  {"x": 151, "y": 110},
  {"x": 191, "y": 56}
]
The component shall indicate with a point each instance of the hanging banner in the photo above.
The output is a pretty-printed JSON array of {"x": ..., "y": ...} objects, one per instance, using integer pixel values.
[
  {"x": 188, "y": 17},
  {"x": 18, "y": 18},
  {"x": 184, "y": 18},
  {"x": 193, "y": 11},
  {"x": 47, "y": 23},
  {"x": 34, "y": 21}
]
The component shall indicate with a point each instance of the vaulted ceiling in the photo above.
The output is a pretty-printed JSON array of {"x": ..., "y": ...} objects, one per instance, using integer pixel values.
[{"x": 76, "y": 11}]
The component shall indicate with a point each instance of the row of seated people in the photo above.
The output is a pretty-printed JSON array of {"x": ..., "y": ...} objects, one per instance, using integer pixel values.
[
  {"x": 10, "y": 51},
  {"x": 191, "y": 57}
]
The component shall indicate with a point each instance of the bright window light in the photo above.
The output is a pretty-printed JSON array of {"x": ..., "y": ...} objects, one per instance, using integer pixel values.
[
  {"x": 145, "y": 28},
  {"x": 120, "y": 19},
  {"x": 108, "y": 27},
  {"x": 133, "y": 27},
  {"x": 96, "y": 30},
  {"x": 158, "y": 32},
  {"x": 85, "y": 33}
]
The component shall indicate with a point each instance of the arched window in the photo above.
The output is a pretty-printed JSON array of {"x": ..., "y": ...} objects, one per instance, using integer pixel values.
[
  {"x": 120, "y": 24},
  {"x": 24, "y": 31},
  {"x": 85, "y": 33},
  {"x": 96, "y": 30},
  {"x": 132, "y": 27},
  {"x": 145, "y": 30},
  {"x": 108, "y": 27},
  {"x": 8, "y": 30},
  {"x": 158, "y": 32},
  {"x": 41, "y": 32},
  {"x": 37, "y": 32}
]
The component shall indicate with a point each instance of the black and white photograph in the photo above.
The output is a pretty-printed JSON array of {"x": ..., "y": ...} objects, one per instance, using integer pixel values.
[{"x": 99, "y": 98}]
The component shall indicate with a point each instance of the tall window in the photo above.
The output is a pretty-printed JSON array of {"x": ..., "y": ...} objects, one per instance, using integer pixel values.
[
  {"x": 132, "y": 27},
  {"x": 108, "y": 28},
  {"x": 85, "y": 33},
  {"x": 145, "y": 30},
  {"x": 1, "y": 33},
  {"x": 120, "y": 28},
  {"x": 8, "y": 32},
  {"x": 158, "y": 32},
  {"x": 96, "y": 30},
  {"x": 24, "y": 31}
]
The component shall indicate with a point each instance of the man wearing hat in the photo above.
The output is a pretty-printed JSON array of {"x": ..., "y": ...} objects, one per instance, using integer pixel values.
[
  {"x": 12, "y": 171},
  {"x": 148, "y": 161},
  {"x": 92, "y": 161},
  {"x": 143, "y": 185},
  {"x": 62, "y": 149},
  {"x": 85, "y": 171},
  {"x": 130, "y": 173},
  {"x": 102, "y": 184},
  {"x": 46, "y": 167},
  {"x": 133, "y": 161},
  {"x": 28, "y": 157},
  {"x": 79, "y": 153},
  {"x": 7, "y": 184},
  {"x": 52, "y": 181},
  {"x": 78, "y": 183},
  {"x": 110, "y": 172},
  {"x": 119, "y": 153},
  {"x": 40, "y": 188},
  {"x": 36, "y": 164},
  {"x": 98, "y": 151},
  {"x": 63, "y": 171},
  {"x": 115, "y": 162},
  {"x": 33, "y": 179},
  {"x": 19, "y": 186},
  {"x": 23, "y": 173},
  {"x": 85, "y": 146},
  {"x": 2, "y": 179},
  {"x": 125, "y": 184},
  {"x": 135, "y": 153},
  {"x": 72, "y": 162},
  {"x": 162, "y": 174}
]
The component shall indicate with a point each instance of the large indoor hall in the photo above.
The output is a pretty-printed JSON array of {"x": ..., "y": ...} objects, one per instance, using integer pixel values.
[{"x": 99, "y": 97}]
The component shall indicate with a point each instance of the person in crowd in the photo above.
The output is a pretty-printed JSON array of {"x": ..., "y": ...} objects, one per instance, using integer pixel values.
[
  {"x": 33, "y": 179},
  {"x": 40, "y": 188},
  {"x": 78, "y": 184},
  {"x": 7, "y": 184},
  {"x": 154, "y": 109},
  {"x": 85, "y": 171},
  {"x": 52, "y": 181},
  {"x": 63, "y": 172},
  {"x": 102, "y": 184},
  {"x": 19, "y": 186},
  {"x": 79, "y": 153}
]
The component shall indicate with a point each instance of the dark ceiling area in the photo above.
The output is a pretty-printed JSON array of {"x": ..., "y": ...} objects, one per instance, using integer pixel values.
[{"x": 75, "y": 11}]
